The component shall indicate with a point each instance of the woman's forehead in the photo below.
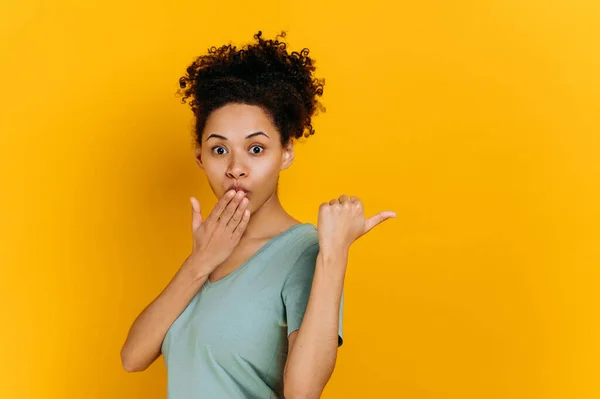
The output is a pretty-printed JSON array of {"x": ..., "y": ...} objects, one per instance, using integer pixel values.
[{"x": 238, "y": 122}]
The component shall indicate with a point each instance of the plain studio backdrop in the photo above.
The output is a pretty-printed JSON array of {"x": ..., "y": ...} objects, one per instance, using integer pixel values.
[{"x": 476, "y": 121}]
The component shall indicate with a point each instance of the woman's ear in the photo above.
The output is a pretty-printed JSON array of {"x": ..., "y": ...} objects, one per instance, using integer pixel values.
[
  {"x": 288, "y": 155},
  {"x": 198, "y": 155}
]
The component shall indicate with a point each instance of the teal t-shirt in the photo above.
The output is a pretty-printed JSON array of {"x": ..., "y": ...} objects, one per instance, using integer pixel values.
[{"x": 231, "y": 341}]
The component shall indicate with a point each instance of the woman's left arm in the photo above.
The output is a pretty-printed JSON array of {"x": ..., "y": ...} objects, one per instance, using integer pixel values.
[{"x": 313, "y": 348}]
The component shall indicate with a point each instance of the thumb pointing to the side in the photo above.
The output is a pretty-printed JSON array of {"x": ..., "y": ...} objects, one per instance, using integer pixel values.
[
  {"x": 196, "y": 215},
  {"x": 379, "y": 218}
]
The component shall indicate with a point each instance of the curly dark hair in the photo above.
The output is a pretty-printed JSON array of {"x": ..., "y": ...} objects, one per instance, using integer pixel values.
[{"x": 262, "y": 74}]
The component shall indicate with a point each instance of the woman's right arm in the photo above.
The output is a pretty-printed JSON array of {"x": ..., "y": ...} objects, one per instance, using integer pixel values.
[
  {"x": 214, "y": 239},
  {"x": 146, "y": 335}
]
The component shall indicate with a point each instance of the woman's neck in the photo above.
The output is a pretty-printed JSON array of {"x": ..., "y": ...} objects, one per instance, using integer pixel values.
[{"x": 269, "y": 220}]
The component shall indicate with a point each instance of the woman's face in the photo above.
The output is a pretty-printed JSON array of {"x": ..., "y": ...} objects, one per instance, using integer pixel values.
[{"x": 241, "y": 148}]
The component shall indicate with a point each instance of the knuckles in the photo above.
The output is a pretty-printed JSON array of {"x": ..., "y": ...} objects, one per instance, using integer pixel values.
[{"x": 343, "y": 203}]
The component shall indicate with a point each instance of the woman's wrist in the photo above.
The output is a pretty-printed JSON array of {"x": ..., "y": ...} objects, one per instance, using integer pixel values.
[
  {"x": 331, "y": 251},
  {"x": 332, "y": 262},
  {"x": 197, "y": 266}
]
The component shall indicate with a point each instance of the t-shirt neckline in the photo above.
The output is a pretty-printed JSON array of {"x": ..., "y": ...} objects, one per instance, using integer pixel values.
[{"x": 266, "y": 245}]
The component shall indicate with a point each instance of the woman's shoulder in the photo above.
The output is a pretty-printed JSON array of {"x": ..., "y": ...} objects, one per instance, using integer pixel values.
[
  {"x": 303, "y": 235},
  {"x": 303, "y": 244},
  {"x": 294, "y": 240},
  {"x": 300, "y": 255}
]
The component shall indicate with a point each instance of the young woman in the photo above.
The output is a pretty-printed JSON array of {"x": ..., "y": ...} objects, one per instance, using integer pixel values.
[{"x": 255, "y": 311}]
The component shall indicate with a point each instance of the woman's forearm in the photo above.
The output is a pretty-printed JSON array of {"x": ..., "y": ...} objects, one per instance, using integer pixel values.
[
  {"x": 146, "y": 335},
  {"x": 312, "y": 359}
]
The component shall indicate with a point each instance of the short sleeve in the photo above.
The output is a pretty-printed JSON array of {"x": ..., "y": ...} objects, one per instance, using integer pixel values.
[{"x": 296, "y": 291}]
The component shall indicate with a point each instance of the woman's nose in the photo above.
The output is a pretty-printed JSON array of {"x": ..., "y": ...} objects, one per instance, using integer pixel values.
[{"x": 236, "y": 170}]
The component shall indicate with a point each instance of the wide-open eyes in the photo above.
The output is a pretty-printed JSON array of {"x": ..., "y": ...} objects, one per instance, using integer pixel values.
[
  {"x": 258, "y": 148},
  {"x": 220, "y": 150}
]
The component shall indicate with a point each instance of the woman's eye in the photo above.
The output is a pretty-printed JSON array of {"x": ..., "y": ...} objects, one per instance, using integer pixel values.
[
  {"x": 255, "y": 149},
  {"x": 216, "y": 150}
]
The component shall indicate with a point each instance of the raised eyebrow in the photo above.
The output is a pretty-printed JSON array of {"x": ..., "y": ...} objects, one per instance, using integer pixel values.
[
  {"x": 256, "y": 134},
  {"x": 218, "y": 136}
]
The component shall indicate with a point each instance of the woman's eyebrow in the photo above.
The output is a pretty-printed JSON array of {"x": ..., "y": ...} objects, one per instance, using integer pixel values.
[{"x": 218, "y": 136}]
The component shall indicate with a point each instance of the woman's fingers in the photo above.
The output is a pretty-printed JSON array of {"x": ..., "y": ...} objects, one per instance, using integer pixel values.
[
  {"x": 241, "y": 227},
  {"x": 231, "y": 207},
  {"x": 237, "y": 216},
  {"x": 380, "y": 217},
  {"x": 220, "y": 206},
  {"x": 196, "y": 214}
]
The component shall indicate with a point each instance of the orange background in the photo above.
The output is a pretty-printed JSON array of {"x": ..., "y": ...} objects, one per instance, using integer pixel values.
[{"x": 476, "y": 121}]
